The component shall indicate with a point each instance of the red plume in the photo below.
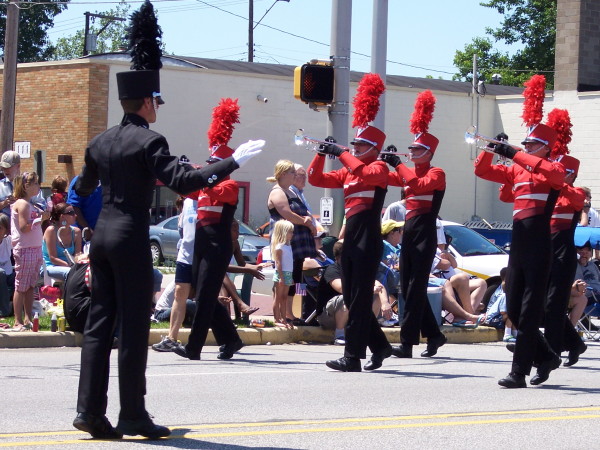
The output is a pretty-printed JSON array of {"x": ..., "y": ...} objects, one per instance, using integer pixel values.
[
  {"x": 225, "y": 114},
  {"x": 423, "y": 113},
  {"x": 366, "y": 101},
  {"x": 559, "y": 120},
  {"x": 534, "y": 100}
]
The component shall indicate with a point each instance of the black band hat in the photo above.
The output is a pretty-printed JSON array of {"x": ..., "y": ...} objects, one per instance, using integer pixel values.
[{"x": 144, "y": 45}]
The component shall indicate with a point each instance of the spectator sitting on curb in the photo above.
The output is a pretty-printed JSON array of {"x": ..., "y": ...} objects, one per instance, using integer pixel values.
[
  {"x": 496, "y": 315},
  {"x": 332, "y": 312}
]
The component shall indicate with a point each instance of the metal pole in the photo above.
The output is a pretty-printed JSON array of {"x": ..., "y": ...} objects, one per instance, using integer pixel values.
[
  {"x": 85, "y": 33},
  {"x": 475, "y": 97},
  {"x": 379, "y": 52},
  {"x": 341, "y": 27},
  {"x": 251, "y": 31},
  {"x": 9, "y": 90}
]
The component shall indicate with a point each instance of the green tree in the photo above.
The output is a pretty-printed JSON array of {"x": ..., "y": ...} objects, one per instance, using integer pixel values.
[
  {"x": 35, "y": 18},
  {"x": 528, "y": 23},
  {"x": 109, "y": 40}
]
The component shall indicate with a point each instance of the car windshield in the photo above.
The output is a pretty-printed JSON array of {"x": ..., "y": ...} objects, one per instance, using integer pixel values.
[
  {"x": 470, "y": 243},
  {"x": 246, "y": 230}
]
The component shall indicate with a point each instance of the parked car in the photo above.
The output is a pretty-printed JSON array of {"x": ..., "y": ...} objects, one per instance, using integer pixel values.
[
  {"x": 499, "y": 233},
  {"x": 165, "y": 235}
]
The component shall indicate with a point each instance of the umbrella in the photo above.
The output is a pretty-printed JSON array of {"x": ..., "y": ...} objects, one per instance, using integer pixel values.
[{"x": 585, "y": 234}]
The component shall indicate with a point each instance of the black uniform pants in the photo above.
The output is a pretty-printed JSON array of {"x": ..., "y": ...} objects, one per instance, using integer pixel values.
[
  {"x": 558, "y": 329},
  {"x": 212, "y": 253},
  {"x": 526, "y": 288},
  {"x": 419, "y": 244},
  {"x": 361, "y": 254},
  {"x": 122, "y": 285}
]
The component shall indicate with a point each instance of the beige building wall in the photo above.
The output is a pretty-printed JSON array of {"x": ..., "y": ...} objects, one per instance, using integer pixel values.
[{"x": 61, "y": 105}]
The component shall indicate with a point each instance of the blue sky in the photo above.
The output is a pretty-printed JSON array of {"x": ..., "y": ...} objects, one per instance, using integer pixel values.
[{"x": 422, "y": 35}]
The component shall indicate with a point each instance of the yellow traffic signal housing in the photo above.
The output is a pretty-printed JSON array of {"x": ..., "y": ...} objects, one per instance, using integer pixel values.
[{"x": 313, "y": 83}]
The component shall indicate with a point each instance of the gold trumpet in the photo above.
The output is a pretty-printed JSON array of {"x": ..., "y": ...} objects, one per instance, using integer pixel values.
[
  {"x": 313, "y": 144},
  {"x": 472, "y": 137}
]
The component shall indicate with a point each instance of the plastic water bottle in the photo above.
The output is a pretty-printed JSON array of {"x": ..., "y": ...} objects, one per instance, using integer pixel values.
[
  {"x": 36, "y": 322},
  {"x": 53, "y": 323}
]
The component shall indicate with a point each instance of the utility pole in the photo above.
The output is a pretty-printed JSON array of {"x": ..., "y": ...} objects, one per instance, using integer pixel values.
[
  {"x": 379, "y": 52},
  {"x": 87, "y": 41},
  {"x": 9, "y": 90},
  {"x": 341, "y": 27},
  {"x": 251, "y": 31}
]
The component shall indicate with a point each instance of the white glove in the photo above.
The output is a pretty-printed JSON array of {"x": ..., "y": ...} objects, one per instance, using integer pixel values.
[{"x": 247, "y": 150}]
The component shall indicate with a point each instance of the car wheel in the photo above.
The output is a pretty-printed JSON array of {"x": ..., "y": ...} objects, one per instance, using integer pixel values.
[{"x": 157, "y": 256}]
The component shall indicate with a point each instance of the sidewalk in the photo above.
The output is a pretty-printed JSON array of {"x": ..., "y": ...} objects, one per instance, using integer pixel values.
[{"x": 250, "y": 336}]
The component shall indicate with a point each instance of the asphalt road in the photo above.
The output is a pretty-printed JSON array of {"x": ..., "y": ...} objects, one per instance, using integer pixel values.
[{"x": 285, "y": 397}]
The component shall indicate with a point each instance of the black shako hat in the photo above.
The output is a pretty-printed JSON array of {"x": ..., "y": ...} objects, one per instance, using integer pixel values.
[{"x": 144, "y": 46}]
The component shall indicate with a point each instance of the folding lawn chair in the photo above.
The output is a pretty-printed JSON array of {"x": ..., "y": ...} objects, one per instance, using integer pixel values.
[{"x": 585, "y": 324}]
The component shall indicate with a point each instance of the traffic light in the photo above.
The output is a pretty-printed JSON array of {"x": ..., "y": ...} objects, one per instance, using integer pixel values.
[{"x": 313, "y": 83}]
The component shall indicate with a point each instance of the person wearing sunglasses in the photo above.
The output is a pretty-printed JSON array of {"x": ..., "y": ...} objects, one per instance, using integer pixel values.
[{"x": 62, "y": 241}]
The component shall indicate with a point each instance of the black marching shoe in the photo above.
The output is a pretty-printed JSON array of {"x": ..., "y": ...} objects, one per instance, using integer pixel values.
[
  {"x": 344, "y": 364},
  {"x": 228, "y": 350},
  {"x": 377, "y": 359},
  {"x": 511, "y": 347},
  {"x": 402, "y": 351},
  {"x": 544, "y": 370},
  {"x": 433, "y": 344},
  {"x": 513, "y": 381},
  {"x": 574, "y": 355},
  {"x": 98, "y": 426},
  {"x": 183, "y": 352},
  {"x": 144, "y": 427}
]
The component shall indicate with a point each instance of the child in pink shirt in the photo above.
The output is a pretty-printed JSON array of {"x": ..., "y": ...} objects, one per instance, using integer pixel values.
[{"x": 26, "y": 234}]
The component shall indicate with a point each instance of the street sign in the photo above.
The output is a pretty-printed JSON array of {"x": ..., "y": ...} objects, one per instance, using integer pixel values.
[
  {"x": 23, "y": 149},
  {"x": 326, "y": 211}
]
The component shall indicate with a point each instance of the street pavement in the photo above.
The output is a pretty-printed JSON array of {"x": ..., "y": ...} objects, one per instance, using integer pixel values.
[{"x": 283, "y": 396}]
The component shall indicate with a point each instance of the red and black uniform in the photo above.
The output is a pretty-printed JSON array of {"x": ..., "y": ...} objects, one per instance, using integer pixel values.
[
  {"x": 558, "y": 329},
  {"x": 424, "y": 190},
  {"x": 364, "y": 186},
  {"x": 536, "y": 183},
  {"x": 212, "y": 253}
]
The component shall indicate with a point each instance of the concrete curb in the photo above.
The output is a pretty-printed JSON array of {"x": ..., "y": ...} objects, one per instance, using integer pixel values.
[{"x": 250, "y": 336}]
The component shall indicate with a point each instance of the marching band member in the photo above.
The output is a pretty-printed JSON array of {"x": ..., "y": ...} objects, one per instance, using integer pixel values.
[
  {"x": 128, "y": 159},
  {"x": 364, "y": 180},
  {"x": 212, "y": 244},
  {"x": 535, "y": 181},
  {"x": 558, "y": 329},
  {"x": 424, "y": 190}
]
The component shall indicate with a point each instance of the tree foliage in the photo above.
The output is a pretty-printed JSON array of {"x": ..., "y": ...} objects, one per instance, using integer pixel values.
[
  {"x": 529, "y": 24},
  {"x": 110, "y": 39},
  {"x": 35, "y": 18}
]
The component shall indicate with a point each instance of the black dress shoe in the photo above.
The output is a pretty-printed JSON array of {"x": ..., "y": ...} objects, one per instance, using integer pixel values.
[
  {"x": 144, "y": 427},
  {"x": 544, "y": 370},
  {"x": 377, "y": 359},
  {"x": 344, "y": 364},
  {"x": 511, "y": 347},
  {"x": 402, "y": 351},
  {"x": 433, "y": 344},
  {"x": 574, "y": 355},
  {"x": 228, "y": 350},
  {"x": 513, "y": 381},
  {"x": 98, "y": 426},
  {"x": 182, "y": 351}
]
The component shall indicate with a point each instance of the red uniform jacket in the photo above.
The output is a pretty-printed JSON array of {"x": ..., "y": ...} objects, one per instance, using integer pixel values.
[
  {"x": 531, "y": 178},
  {"x": 359, "y": 180},
  {"x": 421, "y": 183},
  {"x": 211, "y": 201},
  {"x": 569, "y": 202}
]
